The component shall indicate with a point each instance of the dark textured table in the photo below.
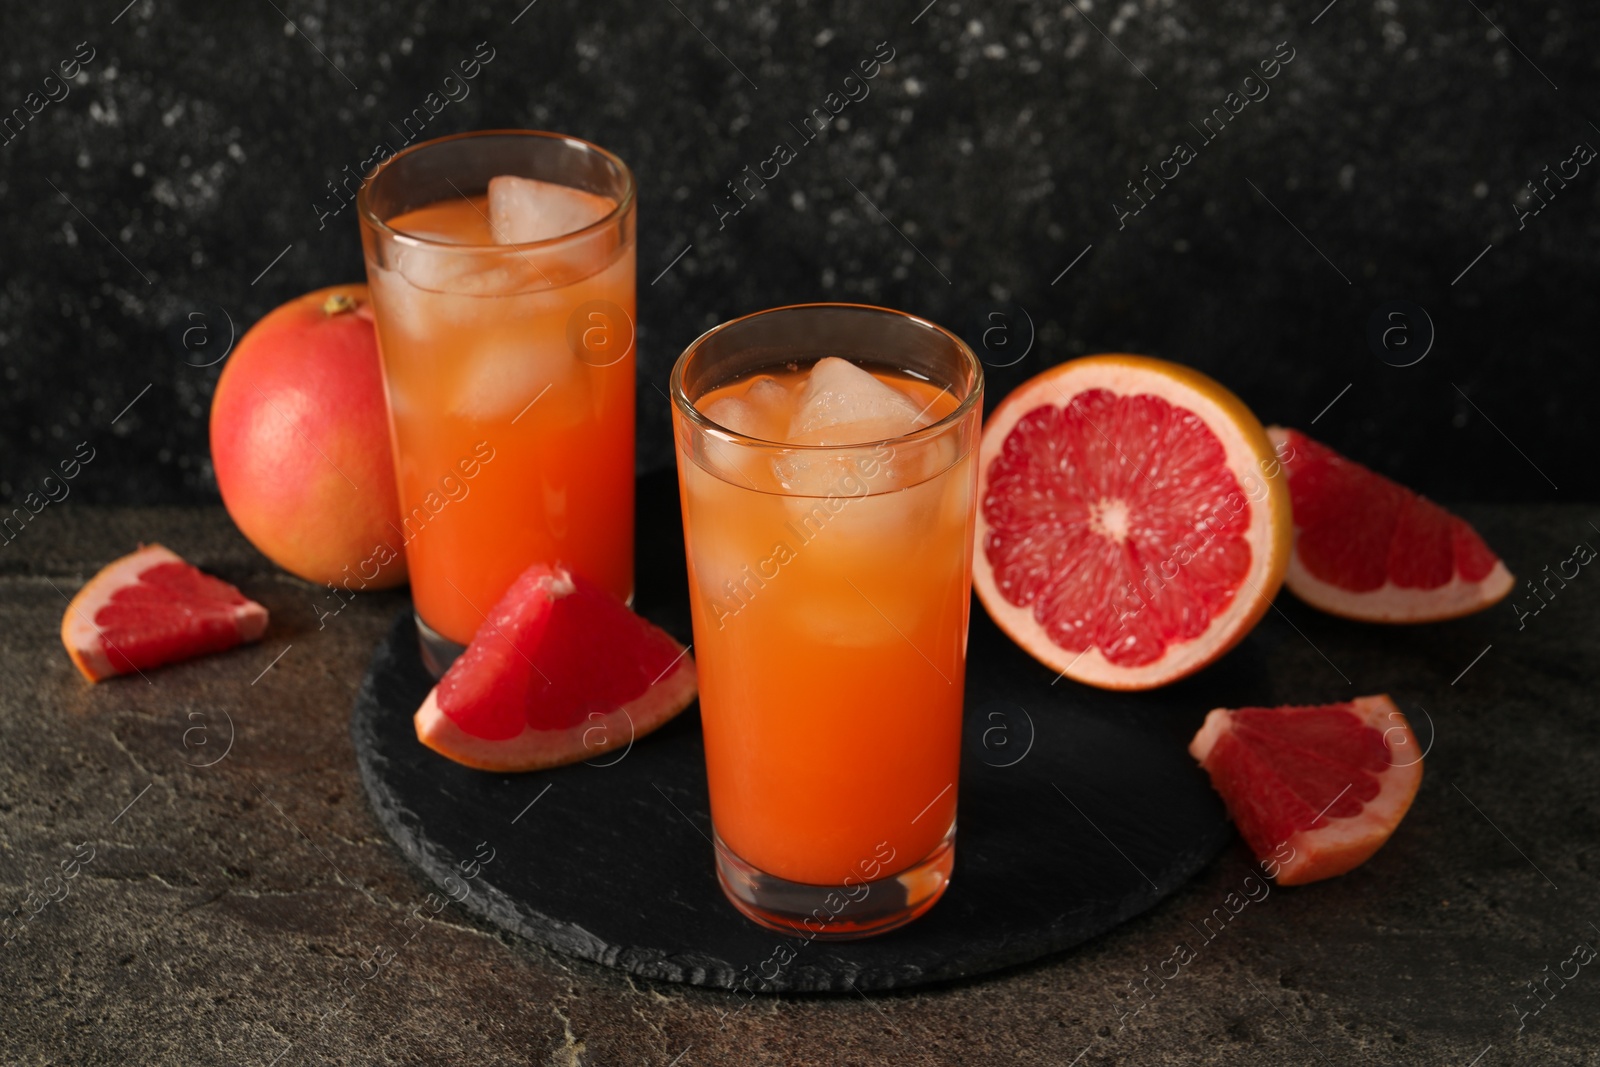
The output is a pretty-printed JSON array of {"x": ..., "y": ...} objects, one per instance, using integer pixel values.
[{"x": 239, "y": 904}]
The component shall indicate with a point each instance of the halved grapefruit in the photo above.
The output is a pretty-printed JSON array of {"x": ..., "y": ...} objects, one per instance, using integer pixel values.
[
  {"x": 1315, "y": 791},
  {"x": 1368, "y": 548},
  {"x": 1133, "y": 523},
  {"x": 560, "y": 671},
  {"x": 150, "y": 608}
]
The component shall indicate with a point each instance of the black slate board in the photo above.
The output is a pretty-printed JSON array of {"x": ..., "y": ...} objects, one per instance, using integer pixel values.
[{"x": 1078, "y": 810}]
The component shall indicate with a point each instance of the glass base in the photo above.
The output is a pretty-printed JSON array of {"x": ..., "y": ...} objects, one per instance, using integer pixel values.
[
  {"x": 438, "y": 651},
  {"x": 836, "y": 912}
]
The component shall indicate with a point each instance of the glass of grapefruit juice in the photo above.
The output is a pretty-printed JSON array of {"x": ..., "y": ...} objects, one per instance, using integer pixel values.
[
  {"x": 501, "y": 268},
  {"x": 827, "y": 470}
]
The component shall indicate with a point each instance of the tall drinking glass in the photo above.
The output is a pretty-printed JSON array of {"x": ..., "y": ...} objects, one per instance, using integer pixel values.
[
  {"x": 829, "y": 588},
  {"x": 509, "y": 366}
]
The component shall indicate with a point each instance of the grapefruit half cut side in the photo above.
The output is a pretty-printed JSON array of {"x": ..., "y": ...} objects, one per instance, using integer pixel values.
[
  {"x": 560, "y": 671},
  {"x": 150, "y": 608},
  {"x": 1315, "y": 791},
  {"x": 1368, "y": 548},
  {"x": 1132, "y": 523}
]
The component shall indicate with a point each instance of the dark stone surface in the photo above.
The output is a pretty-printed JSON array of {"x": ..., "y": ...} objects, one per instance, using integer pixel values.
[
  {"x": 1078, "y": 810},
  {"x": 1392, "y": 150},
  {"x": 223, "y": 910}
]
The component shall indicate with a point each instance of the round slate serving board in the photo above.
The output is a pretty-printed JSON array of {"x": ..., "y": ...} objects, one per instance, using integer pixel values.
[{"x": 1078, "y": 809}]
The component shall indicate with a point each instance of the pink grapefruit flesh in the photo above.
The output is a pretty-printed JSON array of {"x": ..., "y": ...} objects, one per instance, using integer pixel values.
[
  {"x": 560, "y": 671},
  {"x": 150, "y": 608},
  {"x": 1368, "y": 548},
  {"x": 1315, "y": 791},
  {"x": 1133, "y": 525}
]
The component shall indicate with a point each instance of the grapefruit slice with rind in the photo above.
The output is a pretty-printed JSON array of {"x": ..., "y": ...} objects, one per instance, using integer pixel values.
[
  {"x": 1133, "y": 523},
  {"x": 150, "y": 608},
  {"x": 1315, "y": 791},
  {"x": 1368, "y": 548},
  {"x": 560, "y": 671}
]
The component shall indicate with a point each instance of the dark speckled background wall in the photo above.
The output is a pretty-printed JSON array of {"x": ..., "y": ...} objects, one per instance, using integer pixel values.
[{"x": 191, "y": 150}]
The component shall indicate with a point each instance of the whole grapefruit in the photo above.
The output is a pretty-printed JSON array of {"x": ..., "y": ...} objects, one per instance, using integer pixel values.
[{"x": 300, "y": 442}]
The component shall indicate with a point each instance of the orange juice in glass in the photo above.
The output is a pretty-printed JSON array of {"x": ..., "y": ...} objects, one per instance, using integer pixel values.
[
  {"x": 501, "y": 267},
  {"x": 827, "y": 469}
]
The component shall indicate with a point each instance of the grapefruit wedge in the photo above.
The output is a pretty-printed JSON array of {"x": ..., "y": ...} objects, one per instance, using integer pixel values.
[
  {"x": 1315, "y": 791},
  {"x": 1370, "y": 549},
  {"x": 1133, "y": 524},
  {"x": 150, "y": 608},
  {"x": 560, "y": 671}
]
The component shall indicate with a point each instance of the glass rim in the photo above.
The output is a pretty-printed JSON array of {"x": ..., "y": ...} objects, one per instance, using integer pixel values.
[
  {"x": 625, "y": 202},
  {"x": 685, "y": 406}
]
